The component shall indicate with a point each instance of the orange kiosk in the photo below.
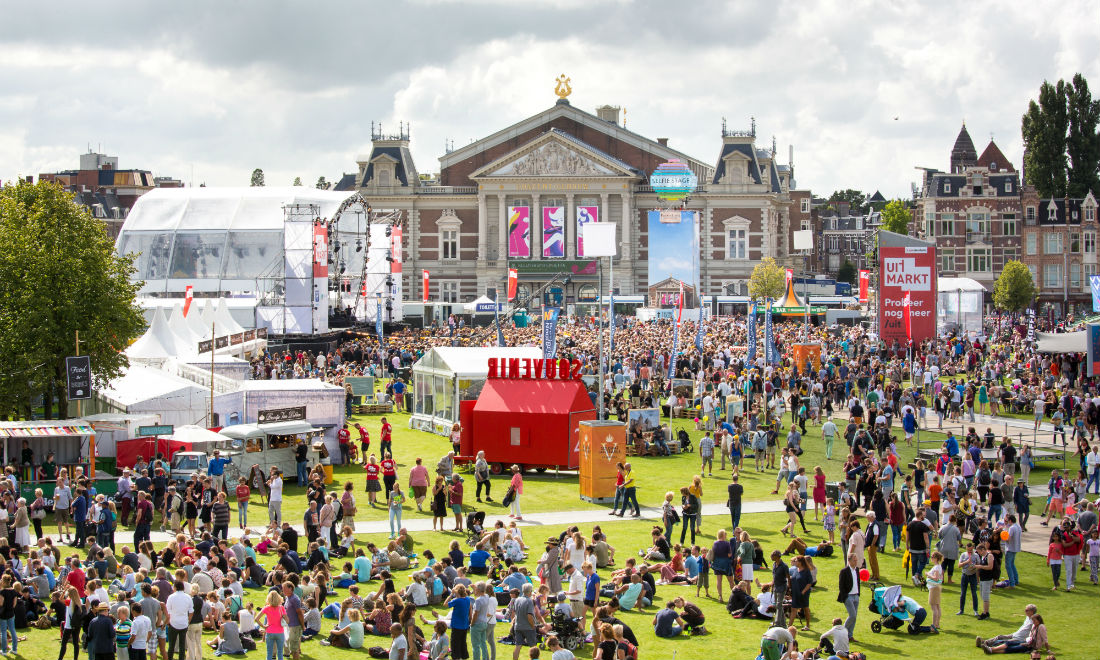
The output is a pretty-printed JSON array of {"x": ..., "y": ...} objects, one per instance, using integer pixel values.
[
  {"x": 602, "y": 444},
  {"x": 803, "y": 352}
]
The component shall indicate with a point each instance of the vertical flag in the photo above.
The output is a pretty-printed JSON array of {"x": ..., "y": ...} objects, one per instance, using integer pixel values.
[
  {"x": 1094, "y": 284},
  {"x": 425, "y": 276},
  {"x": 680, "y": 305},
  {"x": 513, "y": 283},
  {"x": 1031, "y": 326},
  {"x": 907, "y": 307},
  {"x": 751, "y": 356},
  {"x": 771, "y": 355},
  {"x": 378, "y": 320},
  {"x": 550, "y": 333},
  {"x": 699, "y": 333},
  {"x": 864, "y": 285},
  {"x": 672, "y": 359},
  {"x": 611, "y": 320},
  {"x": 790, "y": 277},
  {"x": 188, "y": 296}
]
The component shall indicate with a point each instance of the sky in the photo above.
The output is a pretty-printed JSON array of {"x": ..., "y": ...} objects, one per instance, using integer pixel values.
[
  {"x": 206, "y": 91},
  {"x": 670, "y": 248}
]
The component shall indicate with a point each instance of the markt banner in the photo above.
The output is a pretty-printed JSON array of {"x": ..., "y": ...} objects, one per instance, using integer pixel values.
[{"x": 912, "y": 271}]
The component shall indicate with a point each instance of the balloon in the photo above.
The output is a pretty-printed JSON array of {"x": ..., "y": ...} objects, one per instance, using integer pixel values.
[
  {"x": 864, "y": 575},
  {"x": 1004, "y": 534},
  {"x": 706, "y": 418},
  {"x": 696, "y": 420}
]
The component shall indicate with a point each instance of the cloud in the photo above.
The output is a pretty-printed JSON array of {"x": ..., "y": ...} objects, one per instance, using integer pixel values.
[
  {"x": 674, "y": 265},
  {"x": 293, "y": 87}
]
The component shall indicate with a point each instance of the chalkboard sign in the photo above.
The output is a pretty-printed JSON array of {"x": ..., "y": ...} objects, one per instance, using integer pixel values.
[
  {"x": 206, "y": 346},
  {"x": 281, "y": 415},
  {"x": 78, "y": 375},
  {"x": 360, "y": 385}
]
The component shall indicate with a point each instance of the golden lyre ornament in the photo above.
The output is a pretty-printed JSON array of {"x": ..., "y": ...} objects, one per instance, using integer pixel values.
[{"x": 563, "y": 89}]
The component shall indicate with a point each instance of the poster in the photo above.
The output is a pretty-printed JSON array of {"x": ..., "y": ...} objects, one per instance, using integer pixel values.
[
  {"x": 519, "y": 231},
  {"x": 585, "y": 215},
  {"x": 642, "y": 420},
  {"x": 909, "y": 270},
  {"x": 553, "y": 231}
]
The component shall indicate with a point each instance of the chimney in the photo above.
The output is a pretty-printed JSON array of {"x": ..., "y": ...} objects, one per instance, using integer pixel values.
[
  {"x": 608, "y": 113},
  {"x": 662, "y": 141}
]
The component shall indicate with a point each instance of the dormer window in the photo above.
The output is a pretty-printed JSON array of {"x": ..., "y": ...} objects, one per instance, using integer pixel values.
[
  {"x": 1008, "y": 186},
  {"x": 947, "y": 186},
  {"x": 993, "y": 166},
  {"x": 1052, "y": 212}
]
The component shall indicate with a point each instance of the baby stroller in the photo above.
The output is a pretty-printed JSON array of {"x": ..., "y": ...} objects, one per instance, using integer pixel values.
[
  {"x": 568, "y": 631},
  {"x": 882, "y": 603},
  {"x": 685, "y": 441},
  {"x": 475, "y": 527}
]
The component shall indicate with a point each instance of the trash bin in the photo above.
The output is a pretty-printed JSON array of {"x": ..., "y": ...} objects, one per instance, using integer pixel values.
[
  {"x": 326, "y": 465},
  {"x": 832, "y": 490}
]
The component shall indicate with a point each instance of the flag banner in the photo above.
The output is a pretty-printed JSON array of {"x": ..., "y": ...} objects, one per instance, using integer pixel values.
[
  {"x": 790, "y": 277},
  {"x": 751, "y": 356},
  {"x": 513, "y": 283},
  {"x": 907, "y": 270},
  {"x": 553, "y": 231},
  {"x": 585, "y": 215},
  {"x": 519, "y": 231},
  {"x": 771, "y": 355},
  {"x": 425, "y": 276},
  {"x": 396, "y": 251},
  {"x": 378, "y": 320},
  {"x": 1094, "y": 282},
  {"x": 500, "y": 333},
  {"x": 320, "y": 250},
  {"x": 864, "y": 285},
  {"x": 672, "y": 358},
  {"x": 550, "y": 333},
  {"x": 680, "y": 305},
  {"x": 1031, "y": 326},
  {"x": 611, "y": 319},
  {"x": 699, "y": 332},
  {"x": 907, "y": 308},
  {"x": 189, "y": 295}
]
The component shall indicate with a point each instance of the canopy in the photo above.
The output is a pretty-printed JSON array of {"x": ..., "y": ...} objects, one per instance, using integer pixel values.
[
  {"x": 194, "y": 435},
  {"x": 953, "y": 284},
  {"x": 471, "y": 361},
  {"x": 1063, "y": 342},
  {"x": 790, "y": 298},
  {"x": 42, "y": 429}
]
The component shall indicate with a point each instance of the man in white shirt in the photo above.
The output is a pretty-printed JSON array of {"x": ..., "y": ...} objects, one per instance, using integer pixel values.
[
  {"x": 708, "y": 412},
  {"x": 1021, "y": 635},
  {"x": 576, "y": 590},
  {"x": 178, "y": 608},
  {"x": 828, "y": 433},
  {"x": 838, "y": 635},
  {"x": 399, "y": 647},
  {"x": 141, "y": 632},
  {"x": 275, "y": 497},
  {"x": 557, "y": 652}
]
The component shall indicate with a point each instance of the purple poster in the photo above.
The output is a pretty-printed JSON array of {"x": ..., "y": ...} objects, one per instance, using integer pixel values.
[
  {"x": 585, "y": 215},
  {"x": 519, "y": 231},
  {"x": 553, "y": 231}
]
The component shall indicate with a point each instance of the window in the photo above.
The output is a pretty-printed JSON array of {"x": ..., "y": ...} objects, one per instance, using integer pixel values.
[
  {"x": 977, "y": 223},
  {"x": 449, "y": 244},
  {"x": 805, "y": 206},
  {"x": 1090, "y": 242},
  {"x": 1032, "y": 243},
  {"x": 947, "y": 260},
  {"x": 1034, "y": 272},
  {"x": 449, "y": 291},
  {"x": 1074, "y": 275},
  {"x": 1008, "y": 224},
  {"x": 1052, "y": 212},
  {"x": 1031, "y": 213},
  {"x": 947, "y": 224},
  {"x": 947, "y": 186},
  {"x": 1075, "y": 242},
  {"x": 1052, "y": 276},
  {"x": 738, "y": 247},
  {"x": 1090, "y": 271},
  {"x": 1090, "y": 213},
  {"x": 1052, "y": 243},
  {"x": 1010, "y": 254},
  {"x": 1008, "y": 186},
  {"x": 834, "y": 243},
  {"x": 978, "y": 260}
]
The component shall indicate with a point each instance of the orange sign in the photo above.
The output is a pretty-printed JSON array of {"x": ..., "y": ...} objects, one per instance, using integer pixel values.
[
  {"x": 602, "y": 444},
  {"x": 803, "y": 352}
]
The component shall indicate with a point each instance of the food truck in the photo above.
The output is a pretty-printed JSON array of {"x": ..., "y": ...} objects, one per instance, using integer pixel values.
[{"x": 272, "y": 444}]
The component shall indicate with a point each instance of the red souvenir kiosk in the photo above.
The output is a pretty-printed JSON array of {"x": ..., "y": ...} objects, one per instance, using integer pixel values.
[{"x": 528, "y": 413}]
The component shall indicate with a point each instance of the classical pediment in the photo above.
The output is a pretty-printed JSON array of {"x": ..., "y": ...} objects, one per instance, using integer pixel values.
[{"x": 555, "y": 154}]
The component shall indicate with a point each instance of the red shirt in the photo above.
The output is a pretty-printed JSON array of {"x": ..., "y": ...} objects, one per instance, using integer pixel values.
[
  {"x": 372, "y": 471},
  {"x": 76, "y": 578},
  {"x": 343, "y": 435},
  {"x": 386, "y": 428},
  {"x": 243, "y": 493},
  {"x": 389, "y": 467}
]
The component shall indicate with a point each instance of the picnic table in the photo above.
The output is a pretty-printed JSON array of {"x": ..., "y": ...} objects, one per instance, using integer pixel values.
[{"x": 930, "y": 455}]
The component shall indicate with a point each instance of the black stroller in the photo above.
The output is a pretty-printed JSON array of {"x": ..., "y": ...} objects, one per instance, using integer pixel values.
[
  {"x": 475, "y": 527},
  {"x": 685, "y": 441}
]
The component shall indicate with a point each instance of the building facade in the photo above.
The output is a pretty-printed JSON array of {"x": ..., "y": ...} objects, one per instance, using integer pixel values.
[
  {"x": 973, "y": 212},
  {"x": 845, "y": 236},
  {"x": 561, "y": 167},
  {"x": 1059, "y": 247}
]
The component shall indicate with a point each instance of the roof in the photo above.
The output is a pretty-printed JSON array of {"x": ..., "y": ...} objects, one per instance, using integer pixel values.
[
  {"x": 790, "y": 298},
  {"x": 141, "y": 383},
  {"x": 877, "y": 197},
  {"x": 289, "y": 385},
  {"x": 602, "y": 154},
  {"x": 471, "y": 361},
  {"x": 251, "y": 208},
  {"x": 963, "y": 153},
  {"x": 398, "y": 151},
  {"x": 952, "y": 284},
  {"x": 37, "y": 428},
  {"x": 541, "y": 397},
  {"x": 993, "y": 159},
  {"x": 739, "y": 147}
]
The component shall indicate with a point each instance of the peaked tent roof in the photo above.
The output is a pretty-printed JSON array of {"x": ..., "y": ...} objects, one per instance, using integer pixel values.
[
  {"x": 790, "y": 298},
  {"x": 472, "y": 361}
]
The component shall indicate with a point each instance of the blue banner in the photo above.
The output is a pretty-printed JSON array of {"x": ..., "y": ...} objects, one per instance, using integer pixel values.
[
  {"x": 611, "y": 318},
  {"x": 699, "y": 332},
  {"x": 751, "y": 356},
  {"x": 675, "y": 349},
  {"x": 550, "y": 333},
  {"x": 500, "y": 333},
  {"x": 378, "y": 321},
  {"x": 1094, "y": 282},
  {"x": 771, "y": 355}
]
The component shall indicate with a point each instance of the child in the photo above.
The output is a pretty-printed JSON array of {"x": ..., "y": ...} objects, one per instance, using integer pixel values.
[
  {"x": 703, "y": 580},
  {"x": 1054, "y": 560},
  {"x": 829, "y": 523},
  {"x": 312, "y": 626},
  {"x": 1094, "y": 555},
  {"x": 691, "y": 564},
  {"x": 347, "y": 578}
]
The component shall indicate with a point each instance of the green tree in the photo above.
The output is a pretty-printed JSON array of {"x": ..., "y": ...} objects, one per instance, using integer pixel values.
[
  {"x": 257, "y": 178},
  {"x": 322, "y": 184},
  {"x": 1014, "y": 289},
  {"x": 1044, "y": 132},
  {"x": 896, "y": 217},
  {"x": 59, "y": 275},
  {"x": 1083, "y": 140},
  {"x": 297, "y": 180},
  {"x": 855, "y": 199},
  {"x": 847, "y": 272},
  {"x": 768, "y": 280}
]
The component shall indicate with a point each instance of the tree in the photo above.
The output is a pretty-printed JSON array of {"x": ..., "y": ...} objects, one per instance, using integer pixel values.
[
  {"x": 59, "y": 275},
  {"x": 1083, "y": 140},
  {"x": 257, "y": 178},
  {"x": 297, "y": 180},
  {"x": 322, "y": 184},
  {"x": 896, "y": 217},
  {"x": 855, "y": 199},
  {"x": 1014, "y": 289},
  {"x": 847, "y": 272},
  {"x": 768, "y": 280},
  {"x": 1044, "y": 132}
]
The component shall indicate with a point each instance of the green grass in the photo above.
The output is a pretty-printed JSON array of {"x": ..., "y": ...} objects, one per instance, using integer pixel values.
[{"x": 1072, "y": 637}]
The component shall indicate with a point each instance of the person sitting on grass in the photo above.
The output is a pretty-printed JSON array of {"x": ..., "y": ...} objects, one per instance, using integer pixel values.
[
  {"x": 630, "y": 595},
  {"x": 667, "y": 623},
  {"x": 694, "y": 619},
  {"x": 1035, "y": 641},
  {"x": 761, "y": 607},
  {"x": 349, "y": 636}
]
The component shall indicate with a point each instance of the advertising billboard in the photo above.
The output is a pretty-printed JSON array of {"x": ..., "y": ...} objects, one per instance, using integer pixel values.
[{"x": 909, "y": 270}]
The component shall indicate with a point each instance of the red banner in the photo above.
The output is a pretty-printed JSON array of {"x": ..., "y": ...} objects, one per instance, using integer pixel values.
[
  {"x": 513, "y": 283},
  {"x": 912, "y": 271},
  {"x": 680, "y": 304},
  {"x": 424, "y": 275},
  {"x": 395, "y": 249},
  {"x": 188, "y": 296},
  {"x": 864, "y": 285},
  {"x": 790, "y": 276},
  {"x": 320, "y": 250}
]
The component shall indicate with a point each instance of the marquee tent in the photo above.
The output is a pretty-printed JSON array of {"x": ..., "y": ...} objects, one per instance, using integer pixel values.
[
  {"x": 446, "y": 375},
  {"x": 959, "y": 302}
]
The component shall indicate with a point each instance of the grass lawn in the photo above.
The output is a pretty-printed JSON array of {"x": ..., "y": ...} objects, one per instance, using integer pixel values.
[{"x": 1066, "y": 614}]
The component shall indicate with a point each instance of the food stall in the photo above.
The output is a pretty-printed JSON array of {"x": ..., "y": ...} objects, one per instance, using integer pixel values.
[
  {"x": 273, "y": 444},
  {"x": 72, "y": 442}
]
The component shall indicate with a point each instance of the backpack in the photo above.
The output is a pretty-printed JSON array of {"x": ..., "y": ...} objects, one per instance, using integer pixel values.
[{"x": 827, "y": 551}]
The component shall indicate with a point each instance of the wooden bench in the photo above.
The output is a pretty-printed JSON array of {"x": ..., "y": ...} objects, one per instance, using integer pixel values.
[{"x": 374, "y": 409}]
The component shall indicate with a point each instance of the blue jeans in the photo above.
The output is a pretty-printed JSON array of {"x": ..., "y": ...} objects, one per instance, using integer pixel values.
[
  {"x": 618, "y": 498},
  {"x": 274, "y": 643},
  {"x": 1010, "y": 569},
  {"x": 675, "y": 632},
  {"x": 1094, "y": 481},
  {"x": 919, "y": 560},
  {"x": 972, "y": 582},
  {"x": 242, "y": 514},
  {"x": 630, "y": 496},
  {"x": 918, "y": 620},
  {"x": 303, "y": 473},
  {"x": 735, "y": 516},
  {"x": 395, "y": 513},
  {"x": 896, "y": 529},
  {"x": 479, "y": 638},
  {"x": 995, "y": 511},
  {"x": 7, "y": 627}
]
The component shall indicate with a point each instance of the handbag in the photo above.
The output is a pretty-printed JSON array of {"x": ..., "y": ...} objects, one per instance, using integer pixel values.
[{"x": 509, "y": 495}]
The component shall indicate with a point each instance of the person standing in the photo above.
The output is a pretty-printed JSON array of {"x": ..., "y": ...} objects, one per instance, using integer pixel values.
[
  {"x": 1012, "y": 548},
  {"x": 630, "y": 492},
  {"x": 301, "y": 462},
  {"x": 216, "y": 469},
  {"x": 80, "y": 517},
  {"x": 389, "y": 473},
  {"x": 848, "y": 594},
  {"x": 735, "y": 491},
  {"x": 142, "y": 635},
  {"x": 828, "y": 433},
  {"x": 243, "y": 494},
  {"x": 986, "y": 572},
  {"x": 343, "y": 437},
  {"x": 481, "y": 476},
  {"x": 949, "y": 546},
  {"x": 1073, "y": 542},
  {"x": 526, "y": 619},
  {"x": 275, "y": 497},
  {"x": 273, "y": 618},
  {"x": 100, "y": 640},
  {"x": 516, "y": 488},
  {"x": 143, "y": 518},
  {"x": 62, "y": 499},
  {"x": 385, "y": 446},
  {"x": 917, "y": 542},
  {"x": 219, "y": 512},
  {"x": 396, "y": 508},
  {"x": 418, "y": 482},
  {"x": 781, "y": 576},
  {"x": 295, "y": 617},
  {"x": 706, "y": 455},
  {"x": 178, "y": 608}
]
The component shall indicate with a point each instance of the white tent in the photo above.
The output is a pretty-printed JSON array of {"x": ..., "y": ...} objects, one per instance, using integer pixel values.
[
  {"x": 224, "y": 322},
  {"x": 485, "y": 304},
  {"x": 959, "y": 305},
  {"x": 446, "y": 375},
  {"x": 144, "y": 389},
  {"x": 157, "y": 342}
]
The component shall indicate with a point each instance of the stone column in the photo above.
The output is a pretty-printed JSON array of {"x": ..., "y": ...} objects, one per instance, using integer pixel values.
[
  {"x": 503, "y": 228},
  {"x": 627, "y": 245},
  {"x": 536, "y": 227},
  {"x": 482, "y": 230},
  {"x": 570, "y": 228}
]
